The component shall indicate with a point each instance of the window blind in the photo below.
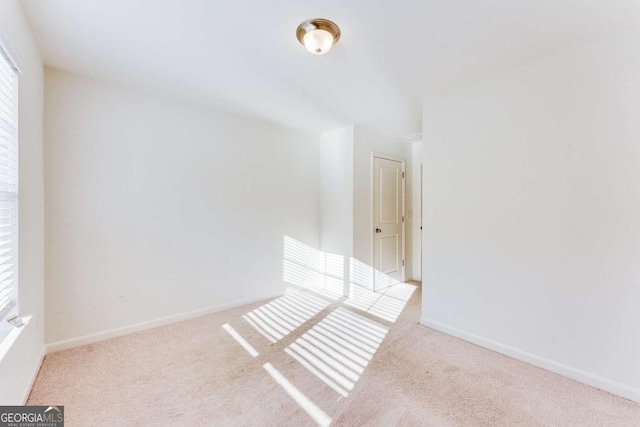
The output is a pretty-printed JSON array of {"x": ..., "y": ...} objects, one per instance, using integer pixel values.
[{"x": 8, "y": 185}]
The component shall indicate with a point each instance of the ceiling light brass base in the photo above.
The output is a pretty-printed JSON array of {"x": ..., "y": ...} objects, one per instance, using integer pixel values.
[{"x": 317, "y": 24}]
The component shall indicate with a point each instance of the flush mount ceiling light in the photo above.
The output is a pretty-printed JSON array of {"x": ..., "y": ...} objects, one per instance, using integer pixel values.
[{"x": 318, "y": 35}]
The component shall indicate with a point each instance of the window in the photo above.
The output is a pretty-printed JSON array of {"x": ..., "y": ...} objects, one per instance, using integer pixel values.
[{"x": 8, "y": 186}]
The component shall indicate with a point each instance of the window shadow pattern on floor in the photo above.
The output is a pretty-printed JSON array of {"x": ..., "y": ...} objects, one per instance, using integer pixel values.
[{"x": 340, "y": 329}]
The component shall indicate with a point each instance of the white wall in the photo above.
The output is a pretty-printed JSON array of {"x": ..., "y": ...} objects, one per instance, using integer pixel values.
[
  {"x": 532, "y": 213},
  {"x": 367, "y": 142},
  {"x": 19, "y": 365},
  {"x": 336, "y": 177},
  {"x": 337, "y": 191},
  {"x": 156, "y": 208},
  {"x": 416, "y": 190}
]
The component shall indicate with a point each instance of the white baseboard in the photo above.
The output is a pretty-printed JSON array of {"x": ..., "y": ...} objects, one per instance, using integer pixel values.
[
  {"x": 113, "y": 333},
  {"x": 601, "y": 383},
  {"x": 27, "y": 392}
]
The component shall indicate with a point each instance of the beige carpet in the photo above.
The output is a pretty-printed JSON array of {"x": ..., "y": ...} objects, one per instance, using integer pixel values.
[{"x": 305, "y": 360}]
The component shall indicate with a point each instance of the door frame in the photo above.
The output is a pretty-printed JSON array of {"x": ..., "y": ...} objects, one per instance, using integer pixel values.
[{"x": 401, "y": 160}]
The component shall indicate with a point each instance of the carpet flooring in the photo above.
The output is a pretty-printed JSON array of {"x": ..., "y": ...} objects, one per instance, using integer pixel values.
[{"x": 308, "y": 359}]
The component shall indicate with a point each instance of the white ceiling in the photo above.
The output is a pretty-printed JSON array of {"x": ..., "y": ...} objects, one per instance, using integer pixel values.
[{"x": 243, "y": 55}]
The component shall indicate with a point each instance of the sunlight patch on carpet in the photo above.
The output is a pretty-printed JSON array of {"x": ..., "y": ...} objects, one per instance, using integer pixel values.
[
  {"x": 338, "y": 348},
  {"x": 280, "y": 317},
  {"x": 305, "y": 403},
  {"x": 240, "y": 340}
]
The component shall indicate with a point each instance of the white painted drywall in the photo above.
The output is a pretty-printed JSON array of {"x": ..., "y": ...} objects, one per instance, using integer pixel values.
[
  {"x": 336, "y": 178},
  {"x": 155, "y": 207},
  {"x": 337, "y": 191},
  {"x": 367, "y": 142},
  {"x": 20, "y": 364},
  {"x": 532, "y": 213},
  {"x": 416, "y": 189}
]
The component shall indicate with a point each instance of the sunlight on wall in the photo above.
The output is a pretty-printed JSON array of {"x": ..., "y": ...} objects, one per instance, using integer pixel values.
[
  {"x": 384, "y": 280},
  {"x": 338, "y": 348},
  {"x": 280, "y": 317},
  {"x": 322, "y": 273},
  {"x": 386, "y": 304},
  {"x": 305, "y": 403},
  {"x": 360, "y": 274},
  {"x": 312, "y": 269},
  {"x": 244, "y": 343}
]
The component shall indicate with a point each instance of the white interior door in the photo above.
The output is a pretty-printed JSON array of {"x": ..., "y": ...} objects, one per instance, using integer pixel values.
[{"x": 388, "y": 222}]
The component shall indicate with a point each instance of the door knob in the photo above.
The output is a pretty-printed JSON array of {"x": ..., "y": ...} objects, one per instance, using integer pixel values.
[{"x": 378, "y": 230}]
